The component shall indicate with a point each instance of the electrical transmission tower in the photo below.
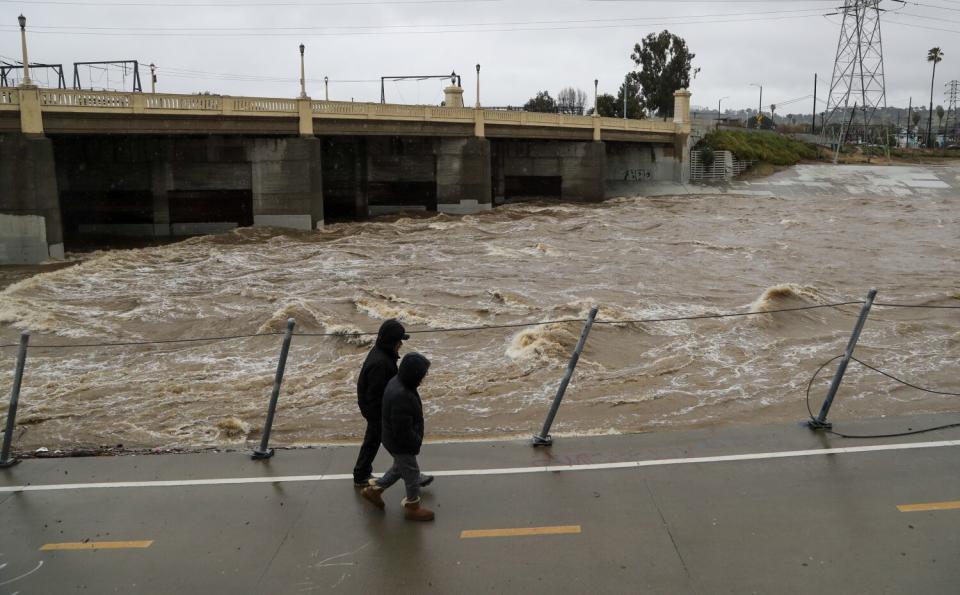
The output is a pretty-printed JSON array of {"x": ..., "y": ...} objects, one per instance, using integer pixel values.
[
  {"x": 953, "y": 90},
  {"x": 858, "y": 80}
]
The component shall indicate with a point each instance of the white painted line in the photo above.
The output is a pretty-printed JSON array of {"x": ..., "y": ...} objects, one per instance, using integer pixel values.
[{"x": 759, "y": 456}]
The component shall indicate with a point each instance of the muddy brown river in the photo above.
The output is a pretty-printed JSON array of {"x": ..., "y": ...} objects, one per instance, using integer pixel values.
[{"x": 810, "y": 235}]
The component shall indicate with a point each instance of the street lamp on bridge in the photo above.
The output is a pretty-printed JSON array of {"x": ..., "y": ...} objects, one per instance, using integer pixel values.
[
  {"x": 26, "y": 61},
  {"x": 478, "y": 87},
  {"x": 303, "y": 82},
  {"x": 759, "y": 107}
]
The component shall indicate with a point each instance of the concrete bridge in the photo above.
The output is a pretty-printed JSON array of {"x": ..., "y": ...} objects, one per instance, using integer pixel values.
[{"x": 82, "y": 164}]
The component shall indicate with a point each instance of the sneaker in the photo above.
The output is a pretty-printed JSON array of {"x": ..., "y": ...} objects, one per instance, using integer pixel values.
[{"x": 425, "y": 480}]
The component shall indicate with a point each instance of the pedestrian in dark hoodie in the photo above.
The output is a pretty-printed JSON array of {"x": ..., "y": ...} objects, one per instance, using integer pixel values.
[
  {"x": 403, "y": 436},
  {"x": 379, "y": 367}
]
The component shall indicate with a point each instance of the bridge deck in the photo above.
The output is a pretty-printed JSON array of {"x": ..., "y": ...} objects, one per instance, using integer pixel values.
[{"x": 805, "y": 522}]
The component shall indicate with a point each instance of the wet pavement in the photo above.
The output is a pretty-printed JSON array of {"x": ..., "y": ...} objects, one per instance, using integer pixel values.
[{"x": 735, "y": 509}]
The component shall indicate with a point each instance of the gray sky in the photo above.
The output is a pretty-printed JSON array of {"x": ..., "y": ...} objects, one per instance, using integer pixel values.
[{"x": 250, "y": 48}]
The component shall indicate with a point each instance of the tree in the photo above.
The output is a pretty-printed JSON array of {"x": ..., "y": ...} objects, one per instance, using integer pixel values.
[
  {"x": 664, "y": 62},
  {"x": 935, "y": 55},
  {"x": 634, "y": 101},
  {"x": 607, "y": 105},
  {"x": 940, "y": 114},
  {"x": 541, "y": 103},
  {"x": 571, "y": 101},
  {"x": 915, "y": 117}
]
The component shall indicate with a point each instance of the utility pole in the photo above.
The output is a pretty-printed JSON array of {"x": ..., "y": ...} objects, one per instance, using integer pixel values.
[
  {"x": 624, "y": 99},
  {"x": 813, "y": 127},
  {"x": 909, "y": 121},
  {"x": 858, "y": 71}
]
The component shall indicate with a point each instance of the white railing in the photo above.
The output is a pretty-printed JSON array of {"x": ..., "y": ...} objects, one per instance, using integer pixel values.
[
  {"x": 255, "y": 105},
  {"x": 9, "y": 97},
  {"x": 725, "y": 166},
  {"x": 184, "y": 102},
  {"x": 85, "y": 99}
]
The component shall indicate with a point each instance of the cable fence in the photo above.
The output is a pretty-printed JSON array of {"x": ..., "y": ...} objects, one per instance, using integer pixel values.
[{"x": 263, "y": 451}]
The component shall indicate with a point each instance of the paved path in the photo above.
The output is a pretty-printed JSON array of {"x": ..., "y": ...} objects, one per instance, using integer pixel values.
[{"x": 732, "y": 510}]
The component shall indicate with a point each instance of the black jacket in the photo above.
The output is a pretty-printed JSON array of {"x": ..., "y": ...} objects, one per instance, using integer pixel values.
[
  {"x": 379, "y": 367},
  {"x": 402, "y": 408}
]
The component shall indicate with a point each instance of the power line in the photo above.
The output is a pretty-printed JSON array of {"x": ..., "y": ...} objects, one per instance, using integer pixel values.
[
  {"x": 618, "y": 25},
  {"x": 416, "y": 26}
]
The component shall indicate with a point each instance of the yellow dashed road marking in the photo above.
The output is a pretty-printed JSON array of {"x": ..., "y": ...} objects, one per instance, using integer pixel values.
[
  {"x": 97, "y": 545},
  {"x": 521, "y": 532}
]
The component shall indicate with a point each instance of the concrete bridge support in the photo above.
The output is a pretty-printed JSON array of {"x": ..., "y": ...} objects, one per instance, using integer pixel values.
[
  {"x": 464, "y": 182},
  {"x": 287, "y": 182},
  {"x": 30, "y": 225}
]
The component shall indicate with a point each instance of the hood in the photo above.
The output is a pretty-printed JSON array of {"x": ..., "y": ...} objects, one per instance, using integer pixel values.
[
  {"x": 413, "y": 367},
  {"x": 391, "y": 331}
]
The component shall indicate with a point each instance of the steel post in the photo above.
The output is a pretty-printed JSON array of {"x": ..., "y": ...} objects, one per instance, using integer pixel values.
[
  {"x": 5, "y": 460},
  {"x": 263, "y": 452},
  {"x": 821, "y": 422},
  {"x": 544, "y": 439}
]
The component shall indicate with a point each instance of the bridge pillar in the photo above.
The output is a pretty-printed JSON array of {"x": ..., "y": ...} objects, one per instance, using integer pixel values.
[
  {"x": 583, "y": 171},
  {"x": 464, "y": 183},
  {"x": 31, "y": 229},
  {"x": 287, "y": 182}
]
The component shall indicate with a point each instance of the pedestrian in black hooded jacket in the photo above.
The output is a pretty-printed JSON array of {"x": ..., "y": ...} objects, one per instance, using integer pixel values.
[
  {"x": 379, "y": 367},
  {"x": 403, "y": 436}
]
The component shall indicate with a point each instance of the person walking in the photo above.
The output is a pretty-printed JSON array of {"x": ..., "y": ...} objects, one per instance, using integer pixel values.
[
  {"x": 379, "y": 367},
  {"x": 403, "y": 430}
]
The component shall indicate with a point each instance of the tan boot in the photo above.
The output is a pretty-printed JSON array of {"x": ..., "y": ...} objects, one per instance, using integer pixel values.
[
  {"x": 412, "y": 511},
  {"x": 373, "y": 494}
]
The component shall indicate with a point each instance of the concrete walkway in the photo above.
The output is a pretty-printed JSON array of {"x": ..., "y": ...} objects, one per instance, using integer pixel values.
[{"x": 730, "y": 510}]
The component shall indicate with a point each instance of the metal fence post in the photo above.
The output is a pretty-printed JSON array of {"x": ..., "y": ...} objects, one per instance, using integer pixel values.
[
  {"x": 544, "y": 438},
  {"x": 821, "y": 422},
  {"x": 5, "y": 460},
  {"x": 262, "y": 452}
]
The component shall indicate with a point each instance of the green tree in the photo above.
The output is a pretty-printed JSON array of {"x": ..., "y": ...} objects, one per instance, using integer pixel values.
[
  {"x": 664, "y": 62},
  {"x": 940, "y": 113},
  {"x": 935, "y": 55},
  {"x": 541, "y": 103},
  {"x": 607, "y": 105},
  {"x": 634, "y": 101}
]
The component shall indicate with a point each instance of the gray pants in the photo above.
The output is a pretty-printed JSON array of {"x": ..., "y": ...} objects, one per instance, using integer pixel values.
[{"x": 405, "y": 467}]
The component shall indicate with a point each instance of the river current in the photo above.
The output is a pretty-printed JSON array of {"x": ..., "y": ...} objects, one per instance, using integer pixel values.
[{"x": 808, "y": 236}]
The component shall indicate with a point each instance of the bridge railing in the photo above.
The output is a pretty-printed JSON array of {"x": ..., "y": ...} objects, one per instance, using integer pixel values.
[
  {"x": 9, "y": 97},
  {"x": 70, "y": 100}
]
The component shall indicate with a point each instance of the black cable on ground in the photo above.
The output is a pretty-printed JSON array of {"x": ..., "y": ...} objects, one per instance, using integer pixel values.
[{"x": 892, "y": 377}]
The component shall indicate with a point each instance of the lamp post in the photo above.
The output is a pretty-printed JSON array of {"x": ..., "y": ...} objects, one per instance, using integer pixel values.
[
  {"x": 478, "y": 87},
  {"x": 153, "y": 78},
  {"x": 26, "y": 61},
  {"x": 303, "y": 82},
  {"x": 326, "y": 88},
  {"x": 596, "y": 108},
  {"x": 760, "y": 106},
  {"x": 625, "y": 82},
  {"x": 719, "y": 113}
]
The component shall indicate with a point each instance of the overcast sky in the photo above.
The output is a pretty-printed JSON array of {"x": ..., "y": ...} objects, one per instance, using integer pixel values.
[{"x": 250, "y": 48}]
